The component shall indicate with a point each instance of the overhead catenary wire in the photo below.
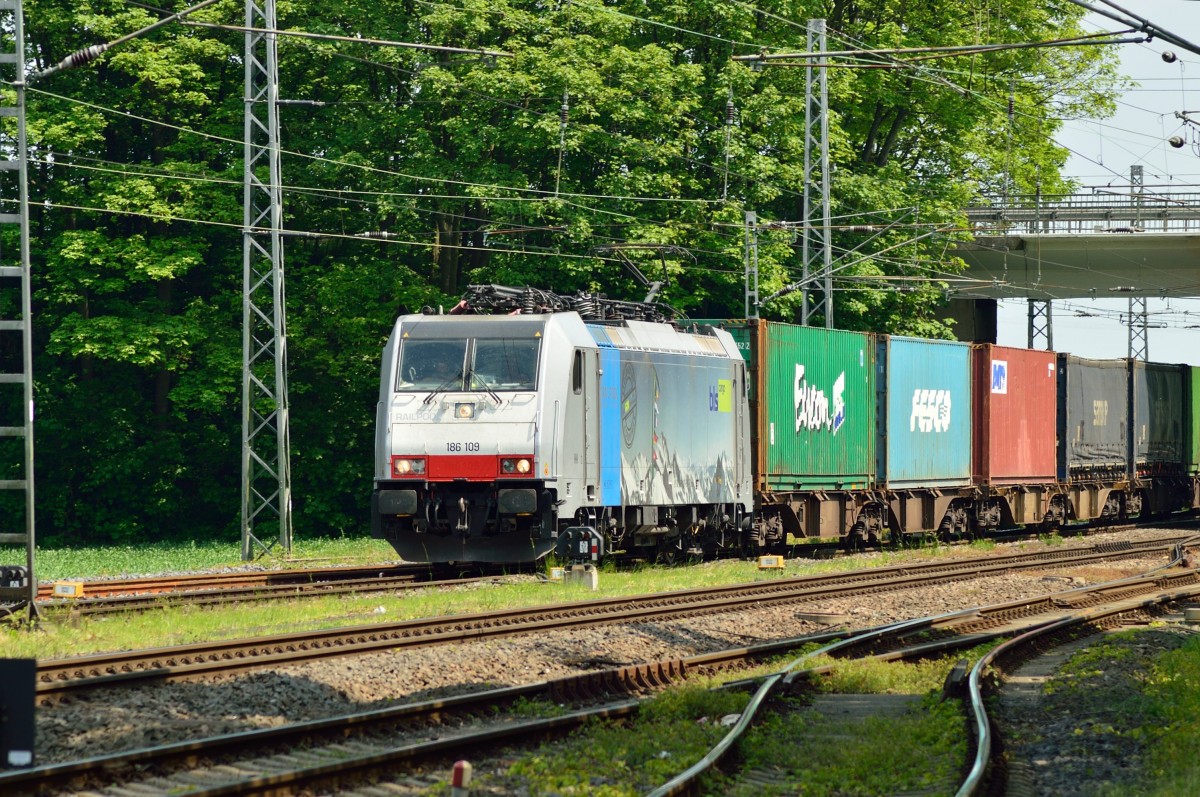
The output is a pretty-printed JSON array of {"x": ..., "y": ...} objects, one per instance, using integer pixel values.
[{"x": 536, "y": 192}]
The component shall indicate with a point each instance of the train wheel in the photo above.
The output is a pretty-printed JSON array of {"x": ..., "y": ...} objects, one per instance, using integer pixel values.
[{"x": 856, "y": 538}]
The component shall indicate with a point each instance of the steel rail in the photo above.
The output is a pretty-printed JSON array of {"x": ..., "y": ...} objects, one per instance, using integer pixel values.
[
  {"x": 227, "y": 595},
  {"x": 59, "y": 677},
  {"x": 185, "y": 582}
]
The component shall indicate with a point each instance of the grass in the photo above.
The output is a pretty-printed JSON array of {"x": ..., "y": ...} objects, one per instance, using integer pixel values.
[
  {"x": 55, "y": 564},
  {"x": 812, "y": 754},
  {"x": 622, "y": 759},
  {"x": 182, "y": 625},
  {"x": 1171, "y": 766}
]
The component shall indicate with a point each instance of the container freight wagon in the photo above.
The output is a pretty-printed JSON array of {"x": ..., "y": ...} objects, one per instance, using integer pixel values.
[
  {"x": 1013, "y": 414},
  {"x": 812, "y": 402},
  {"x": 924, "y": 448}
]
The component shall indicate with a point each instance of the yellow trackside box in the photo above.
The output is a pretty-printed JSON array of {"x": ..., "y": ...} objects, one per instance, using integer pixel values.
[
  {"x": 555, "y": 574},
  {"x": 68, "y": 589},
  {"x": 771, "y": 563}
]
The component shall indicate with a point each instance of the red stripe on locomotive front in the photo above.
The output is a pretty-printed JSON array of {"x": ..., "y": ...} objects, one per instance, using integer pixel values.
[{"x": 472, "y": 467}]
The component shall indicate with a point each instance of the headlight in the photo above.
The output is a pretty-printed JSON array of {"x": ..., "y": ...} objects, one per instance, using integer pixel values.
[
  {"x": 408, "y": 466},
  {"x": 516, "y": 466},
  {"x": 464, "y": 410}
]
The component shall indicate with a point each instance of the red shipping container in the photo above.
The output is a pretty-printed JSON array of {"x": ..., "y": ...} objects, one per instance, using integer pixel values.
[{"x": 1013, "y": 411}]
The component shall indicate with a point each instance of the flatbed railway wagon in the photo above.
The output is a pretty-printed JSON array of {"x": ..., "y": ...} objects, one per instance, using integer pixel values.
[{"x": 857, "y": 436}]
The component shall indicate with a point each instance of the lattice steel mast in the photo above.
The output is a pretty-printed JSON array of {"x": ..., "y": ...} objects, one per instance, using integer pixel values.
[
  {"x": 817, "y": 248},
  {"x": 266, "y": 446},
  {"x": 16, "y": 320}
]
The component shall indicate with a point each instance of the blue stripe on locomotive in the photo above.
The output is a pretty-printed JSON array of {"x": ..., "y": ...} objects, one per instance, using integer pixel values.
[{"x": 610, "y": 426}]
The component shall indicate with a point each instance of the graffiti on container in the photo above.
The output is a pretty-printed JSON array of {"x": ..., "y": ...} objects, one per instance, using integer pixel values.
[
  {"x": 930, "y": 410},
  {"x": 813, "y": 410}
]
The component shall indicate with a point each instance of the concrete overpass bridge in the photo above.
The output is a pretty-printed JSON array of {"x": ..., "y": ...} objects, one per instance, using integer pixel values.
[
  {"x": 1109, "y": 244},
  {"x": 1085, "y": 246}
]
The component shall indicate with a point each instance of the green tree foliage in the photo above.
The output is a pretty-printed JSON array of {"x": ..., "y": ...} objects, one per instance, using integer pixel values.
[{"x": 475, "y": 172}]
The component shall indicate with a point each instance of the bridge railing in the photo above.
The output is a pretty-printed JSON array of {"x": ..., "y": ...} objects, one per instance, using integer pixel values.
[{"x": 1101, "y": 212}]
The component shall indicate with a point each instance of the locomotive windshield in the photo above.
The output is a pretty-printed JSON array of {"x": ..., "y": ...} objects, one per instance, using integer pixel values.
[{"x": 498, "y": 364}]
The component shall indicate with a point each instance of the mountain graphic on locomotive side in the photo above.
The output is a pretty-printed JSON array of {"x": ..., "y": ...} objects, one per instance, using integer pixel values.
[{"x": 498, "y": 433}]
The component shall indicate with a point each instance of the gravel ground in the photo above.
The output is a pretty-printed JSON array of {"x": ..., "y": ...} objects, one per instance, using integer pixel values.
[{"x": 122, "y": 719}]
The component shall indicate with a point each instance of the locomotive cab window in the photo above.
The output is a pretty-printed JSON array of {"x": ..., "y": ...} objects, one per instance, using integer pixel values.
[
  {"x": 505, "y": 364},
  {"x": 431, "y": 365},
  {"x": 497, "y": 364}
]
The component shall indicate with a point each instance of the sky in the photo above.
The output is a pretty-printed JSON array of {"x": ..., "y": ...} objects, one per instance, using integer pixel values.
[{"x": 1102, "y": 152}]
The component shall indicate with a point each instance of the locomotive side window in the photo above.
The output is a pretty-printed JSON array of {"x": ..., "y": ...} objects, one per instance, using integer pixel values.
[
  {"x": 577, "y": 373},
  {"x": 505, "y": 364},
  {"x": 431, "y": 365}
]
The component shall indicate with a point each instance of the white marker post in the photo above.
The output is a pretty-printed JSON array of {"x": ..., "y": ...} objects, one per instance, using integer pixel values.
[{"x": 460, "y": 780}]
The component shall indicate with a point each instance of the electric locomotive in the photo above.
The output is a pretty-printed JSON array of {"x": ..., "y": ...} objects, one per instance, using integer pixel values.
[{"x": 495, "y": 433}]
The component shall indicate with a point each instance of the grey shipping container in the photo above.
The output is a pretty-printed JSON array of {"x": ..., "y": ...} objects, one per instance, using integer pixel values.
[{"x": 1093, "y": 413}]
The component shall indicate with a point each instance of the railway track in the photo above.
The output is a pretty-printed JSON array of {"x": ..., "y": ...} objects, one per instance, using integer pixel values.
[
  {"x": 212, "y": 589},
  {"x": 295, "y": 757},
  {"x": 61, "y": 677},
  {"x": 228, "y": 595},
  {"x": 216, "y": 589}
]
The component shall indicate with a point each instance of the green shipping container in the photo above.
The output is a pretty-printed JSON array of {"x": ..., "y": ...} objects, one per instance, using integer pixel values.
[
  {"x": 812, "y": 401},
  {"x": 1192, "y": 455}
]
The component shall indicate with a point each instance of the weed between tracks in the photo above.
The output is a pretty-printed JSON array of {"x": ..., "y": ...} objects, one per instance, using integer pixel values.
[{"x": 807, "y": 753}]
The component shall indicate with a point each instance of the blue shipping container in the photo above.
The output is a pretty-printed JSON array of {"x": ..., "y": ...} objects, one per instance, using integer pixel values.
[{"x": 926, "y": 429}]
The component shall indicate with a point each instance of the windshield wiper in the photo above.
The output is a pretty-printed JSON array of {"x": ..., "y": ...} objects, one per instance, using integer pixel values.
[
  {"x": 442, "y": 388},
  {"x": 472, "y": 378}
]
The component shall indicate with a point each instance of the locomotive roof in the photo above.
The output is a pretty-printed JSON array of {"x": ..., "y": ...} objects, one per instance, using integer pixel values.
[
  {"x": 472, "y": 326},
  {"x": 629, "y": 335},
  {"x": 646, "y": 336}
]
